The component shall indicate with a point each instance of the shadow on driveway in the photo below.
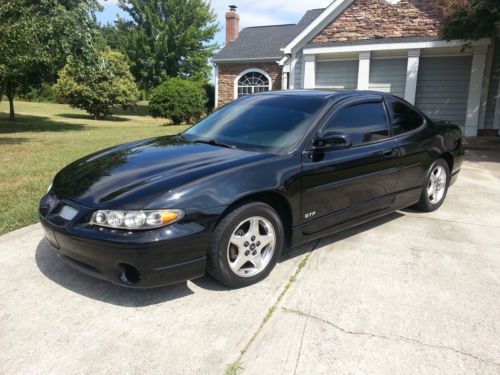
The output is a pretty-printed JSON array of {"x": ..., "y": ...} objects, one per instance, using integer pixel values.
[{"x": 54, "y": 269}]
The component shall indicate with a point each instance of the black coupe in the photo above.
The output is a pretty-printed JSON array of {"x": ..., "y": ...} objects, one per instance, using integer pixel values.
[{"x": 266, "y": 172}]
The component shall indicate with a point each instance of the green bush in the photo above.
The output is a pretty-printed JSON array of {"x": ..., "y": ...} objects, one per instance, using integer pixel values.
[
  {"x": 179, "y": 100},
  {"x": 100, "y": 87},
  {"x": 210, "y": 92},
  {"x": 43, "y": 94}
]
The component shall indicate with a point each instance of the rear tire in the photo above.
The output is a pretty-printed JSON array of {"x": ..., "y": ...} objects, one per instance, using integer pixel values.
[
  {"x": 435, "y": 187},
  {"x": 246, "y": 245}
]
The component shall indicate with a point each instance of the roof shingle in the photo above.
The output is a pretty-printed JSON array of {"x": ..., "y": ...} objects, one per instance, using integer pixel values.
[{"x": 264, "y": 42}]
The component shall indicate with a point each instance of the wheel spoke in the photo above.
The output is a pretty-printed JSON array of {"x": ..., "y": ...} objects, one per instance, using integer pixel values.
[
  {"x": 430, "y": 190},
  {"x": 238, "y": 241},
  {"x": 238, "y": 263},
  {"x": 257, "y": 261},
  {"x": 254, "y": 227},
  {"x": 265, "y": 240}
]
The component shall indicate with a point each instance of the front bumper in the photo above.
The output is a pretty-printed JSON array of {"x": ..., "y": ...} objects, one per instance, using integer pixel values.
[{"x": 144, "y": 259}]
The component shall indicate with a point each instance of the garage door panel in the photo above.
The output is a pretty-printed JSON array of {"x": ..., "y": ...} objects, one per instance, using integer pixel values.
[
  {"x": 341, "y": 74},
  {"x": 388, "y": 75},
  {"x": 442, "y": 87}
]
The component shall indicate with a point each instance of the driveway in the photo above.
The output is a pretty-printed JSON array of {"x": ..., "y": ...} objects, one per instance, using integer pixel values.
[{"x": 409, "y": 293}]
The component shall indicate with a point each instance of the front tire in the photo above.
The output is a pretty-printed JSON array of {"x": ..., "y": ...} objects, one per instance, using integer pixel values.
[
  {"x": 246, "y": 245},
  {"x": 435, "y": 187}
]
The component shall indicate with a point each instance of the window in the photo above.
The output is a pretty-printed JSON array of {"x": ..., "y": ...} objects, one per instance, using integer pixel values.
[
  {"x": 404, "y": 118},
  {"x": 364, "y": 122},
  {"x": 268, "y": 122},
  {"x": 252, "y": 82}
]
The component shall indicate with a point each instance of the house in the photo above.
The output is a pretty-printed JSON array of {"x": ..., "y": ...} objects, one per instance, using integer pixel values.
[{"x": 386, "y": 45}]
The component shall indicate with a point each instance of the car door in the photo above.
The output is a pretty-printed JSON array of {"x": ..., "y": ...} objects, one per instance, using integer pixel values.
[
  {"x": 415, "y": 141},
  {"x": 345, "y": 184}
]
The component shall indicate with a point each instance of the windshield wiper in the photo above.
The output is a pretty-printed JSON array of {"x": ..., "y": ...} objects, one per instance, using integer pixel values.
[{"x": 214, "y": 142}]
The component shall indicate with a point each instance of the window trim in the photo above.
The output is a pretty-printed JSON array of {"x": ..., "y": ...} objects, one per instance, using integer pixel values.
[
  {"x": 391, "y": 119},
  {"x": 352, "y": 102},
  {"x": 251, "y": 70}
]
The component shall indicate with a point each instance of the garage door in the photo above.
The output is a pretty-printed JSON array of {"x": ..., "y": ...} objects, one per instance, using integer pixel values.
[
  {"x": 443, "y": 86},
  {"x": 388, "y": 75},
  {"x": 337, "y": 74}
]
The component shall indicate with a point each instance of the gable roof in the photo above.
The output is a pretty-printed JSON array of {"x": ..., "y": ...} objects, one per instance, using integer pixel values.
[
  {"x": 264, "y": 42},
  {"x": 321, "y": 21}
]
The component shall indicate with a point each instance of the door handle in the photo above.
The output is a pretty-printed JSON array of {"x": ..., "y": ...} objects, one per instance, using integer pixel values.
[{"x": 388, "y": 152}]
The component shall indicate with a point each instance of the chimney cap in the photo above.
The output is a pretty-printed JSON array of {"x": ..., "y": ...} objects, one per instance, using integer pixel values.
[{"x": 233, "y": 8}]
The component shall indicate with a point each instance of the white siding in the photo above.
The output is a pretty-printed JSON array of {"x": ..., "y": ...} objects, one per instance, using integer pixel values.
[
  {"x": 443, "y": 87},
  {"x": 388, "y": 75},
  {"x": 337, "y": 74}
]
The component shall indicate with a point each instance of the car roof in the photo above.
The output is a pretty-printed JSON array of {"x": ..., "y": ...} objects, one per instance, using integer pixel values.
[{"x": 325, "y": 94}]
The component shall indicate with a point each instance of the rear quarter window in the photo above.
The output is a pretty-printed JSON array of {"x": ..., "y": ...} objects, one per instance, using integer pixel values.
[{"x": 404, "y": 118}]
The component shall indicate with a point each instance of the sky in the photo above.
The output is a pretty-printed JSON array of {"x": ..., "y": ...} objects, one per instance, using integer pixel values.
[{"x": 252, "y": 12}]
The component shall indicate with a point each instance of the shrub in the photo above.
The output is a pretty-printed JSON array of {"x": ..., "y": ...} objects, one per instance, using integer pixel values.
[
  {"x": 42, "y": 94},
  {"x": 210, "y": 92},
  {"x": 98, "y": 88},
  {"x": 179, "y": 100}
]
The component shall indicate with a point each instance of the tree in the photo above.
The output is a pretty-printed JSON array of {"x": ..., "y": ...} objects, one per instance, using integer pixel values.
[
  {"x": 36, "y": 38},
  {"x": 99, "y": 87},
  {"x": 472, "y": 19},
  {"x": 167, "y": 38},
  {"x": 178, "y": 99}
]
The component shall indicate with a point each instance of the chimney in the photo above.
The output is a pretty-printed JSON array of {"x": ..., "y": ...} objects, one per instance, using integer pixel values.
[{"x": 232, "y": 24}]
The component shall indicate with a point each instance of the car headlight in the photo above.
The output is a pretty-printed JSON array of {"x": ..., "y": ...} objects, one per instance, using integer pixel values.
[{"x": 142, "y": 219}]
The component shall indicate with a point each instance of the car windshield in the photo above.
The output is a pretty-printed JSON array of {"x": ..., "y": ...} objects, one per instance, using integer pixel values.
[{"x": 272, "y": 123}]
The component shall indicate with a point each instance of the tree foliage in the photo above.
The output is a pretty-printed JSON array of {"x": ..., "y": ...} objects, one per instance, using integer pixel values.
[
  {"x": 178, "y": 99},
  {"x": 36, "y": 38},
  {"x": 166, "y": 38},
  {"x": 99, "y": 87},
  {"x": 472, "y": 19}
]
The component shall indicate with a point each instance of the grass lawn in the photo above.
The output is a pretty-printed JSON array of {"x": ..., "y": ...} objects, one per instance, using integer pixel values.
[{"x": 45, "y": 138}]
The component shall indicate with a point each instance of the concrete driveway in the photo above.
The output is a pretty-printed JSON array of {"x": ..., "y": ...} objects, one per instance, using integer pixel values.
[{"x": 409, "y": 293}]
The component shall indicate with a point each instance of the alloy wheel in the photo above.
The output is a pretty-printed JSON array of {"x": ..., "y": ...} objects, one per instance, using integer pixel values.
[
  {"x": 251, "y": 246},
  {"x": 437, "y": 184}
]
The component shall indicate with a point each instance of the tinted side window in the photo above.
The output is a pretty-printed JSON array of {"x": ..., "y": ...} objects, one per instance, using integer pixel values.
[
  {"x": 365, "y": 123},
  {"x": 404, "y": 118}
]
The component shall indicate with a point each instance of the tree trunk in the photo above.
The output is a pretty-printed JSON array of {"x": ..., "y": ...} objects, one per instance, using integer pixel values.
[
  {"x": 12, "y": 115},
  {"x": 2, "y": 89},
  {"x": 10, "y": 92}
]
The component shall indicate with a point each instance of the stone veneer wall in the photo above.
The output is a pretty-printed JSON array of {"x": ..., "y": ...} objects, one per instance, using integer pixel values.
[
  {"x": 229, "y": 71},
  {"x": 375, "y": 19}
]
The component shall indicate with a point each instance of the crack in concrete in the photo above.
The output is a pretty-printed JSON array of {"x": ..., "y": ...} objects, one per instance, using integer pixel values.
[
  {"x": 389, "y": 338},
  {"x": 302, "y": 337},
  {"x": 272, "y": 309}
]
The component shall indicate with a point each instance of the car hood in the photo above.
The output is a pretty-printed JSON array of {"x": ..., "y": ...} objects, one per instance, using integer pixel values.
[{"x": 133, "y": 175}]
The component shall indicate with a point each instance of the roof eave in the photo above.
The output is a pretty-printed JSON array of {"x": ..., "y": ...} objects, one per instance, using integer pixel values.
[{"x": 253, "y": 59}]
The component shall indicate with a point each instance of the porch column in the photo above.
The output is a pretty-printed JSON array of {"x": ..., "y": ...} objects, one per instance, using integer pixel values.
[
  {"x": 364, "y": 70},
  {"x": 309, "y": 71},
  {"x": 412, "y": 75},
  {"x": 293, "y": 65},
  {"x": 475, "y": 90},
  {"x": 285, "y": 76},
  {"x": 496, "y": 119},
  {"x": 216, "y": 86}
]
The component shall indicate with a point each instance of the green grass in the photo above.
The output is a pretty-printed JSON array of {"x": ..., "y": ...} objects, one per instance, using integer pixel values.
[{"x": 46, "y": 137}]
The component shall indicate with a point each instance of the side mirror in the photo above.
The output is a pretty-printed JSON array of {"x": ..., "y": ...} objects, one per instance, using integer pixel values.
[{"x": 332, "y": 140}]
